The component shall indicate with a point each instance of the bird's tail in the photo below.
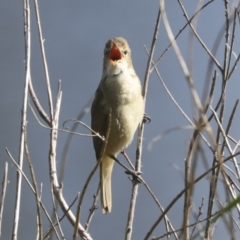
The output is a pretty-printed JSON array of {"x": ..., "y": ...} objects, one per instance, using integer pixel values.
[{"x": 106, "y": 188}]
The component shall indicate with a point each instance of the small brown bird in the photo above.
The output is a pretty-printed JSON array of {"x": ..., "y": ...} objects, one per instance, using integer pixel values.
[{"x": 119, "y": 91}]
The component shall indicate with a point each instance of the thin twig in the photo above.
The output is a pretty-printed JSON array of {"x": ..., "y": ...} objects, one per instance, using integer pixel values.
[
  {"x": 86, "y": 126},
  {"x": 179, "y": 107},
  {"x": 181, "y": 229},
  {"x": 227, "y": 143},
  {"x": 39, "y": 215},
  {"x": 3, "y": 194},
  {"x": 93, "y": 208},
  {"x": 56, "y": 214},
  {"x": 214, "y": 178},
  {"x": 234, "y": 66},
  {"x": 198, "y": 217},
  {"x": 49, "y": 91},
  {"x": 46, "y": 235},
  {"x": 210, "y": 97},
  {"x": 67, "y": 131},
  {"x": 231, "y": 119},
  {"x": 127, "y": 158},
  {"x": 37, "y": 104},
  {"x": 198, "y": 37},
  {"x": 232, "y": 42},
  {"x": 183, "y": 65},
  {"x": 180, "y": 31}
]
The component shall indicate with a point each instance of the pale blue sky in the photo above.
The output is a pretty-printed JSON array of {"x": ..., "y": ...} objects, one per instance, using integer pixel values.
[{"x": 75, "y": 33}]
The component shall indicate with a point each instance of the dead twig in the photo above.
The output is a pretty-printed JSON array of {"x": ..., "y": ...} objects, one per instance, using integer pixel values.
[
  {"x": 3, "y": 194},
  {"x": 27, "y": 35}
]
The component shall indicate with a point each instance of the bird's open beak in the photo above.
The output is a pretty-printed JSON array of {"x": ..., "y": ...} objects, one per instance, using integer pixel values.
[{"x": 115, "y": 54}]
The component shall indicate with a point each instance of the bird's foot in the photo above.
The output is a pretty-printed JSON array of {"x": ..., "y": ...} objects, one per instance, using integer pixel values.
[
  {"x": 146, "y": 118},
  {"x": 135, "y": 175}
]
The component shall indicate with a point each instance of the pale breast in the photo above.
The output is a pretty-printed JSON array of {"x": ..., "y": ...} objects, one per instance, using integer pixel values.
[
  {"x": 125, "y": 120},
  {"x": 122, "y": 93}
]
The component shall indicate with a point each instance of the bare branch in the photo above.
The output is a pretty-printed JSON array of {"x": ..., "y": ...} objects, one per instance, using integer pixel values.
[
  {"x": 39, "y": 216},
  {"x": 3, "y": 194},
  {"x": 27, "y": 35},
  {"x": 93, "y": 208},
  {"x": 129, "y": 227},
  {"x": 37, "y": 104},
  {"x": 44, "y": 60},
  {"x": 227, "y": 143}
]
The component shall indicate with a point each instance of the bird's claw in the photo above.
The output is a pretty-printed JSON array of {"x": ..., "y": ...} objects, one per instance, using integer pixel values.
[
  {"x": 135, "y": 175},
  {"x": 146, "y": 118}
]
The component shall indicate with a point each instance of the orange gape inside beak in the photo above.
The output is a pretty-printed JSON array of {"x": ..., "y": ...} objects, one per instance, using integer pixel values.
[{"x": 115, "y": 54}]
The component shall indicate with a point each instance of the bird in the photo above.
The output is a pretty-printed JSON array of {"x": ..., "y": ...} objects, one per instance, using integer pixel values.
[{"x": 120, "y": 93}]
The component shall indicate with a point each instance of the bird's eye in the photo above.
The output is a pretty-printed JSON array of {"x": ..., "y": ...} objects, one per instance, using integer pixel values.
[{"x": 125, "y": 52}]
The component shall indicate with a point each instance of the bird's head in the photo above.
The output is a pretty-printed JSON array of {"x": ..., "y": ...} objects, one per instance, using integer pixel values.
[{"x": 117, "y": 51}]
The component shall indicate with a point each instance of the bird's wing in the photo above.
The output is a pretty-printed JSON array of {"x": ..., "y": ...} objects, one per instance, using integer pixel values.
[{"x": 99, "y": 121}]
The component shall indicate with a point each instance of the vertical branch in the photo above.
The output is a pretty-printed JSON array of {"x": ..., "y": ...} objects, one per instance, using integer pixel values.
[
  {"x": 187, "y": 196},
  {"x": 24, "y": 116},
  {"x": 154, "y": 40},
  {"x": 53, "y": 148},
  {"x": 226, "y": 39},
  {"x": 128, "y": 231},
  {"x": 3, "y": 194},
  {"x": 213, "y": 186},
  {"x": 232, "y": 42},
  {"x": 53, "y": 139}
]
